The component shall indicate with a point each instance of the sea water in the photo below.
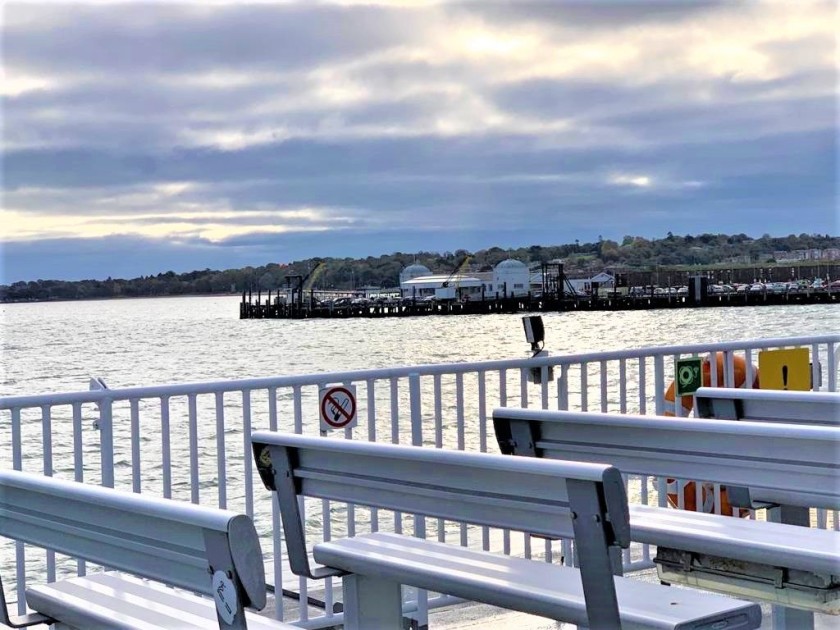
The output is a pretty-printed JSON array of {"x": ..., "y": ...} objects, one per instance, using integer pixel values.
[
  {"x": 55, "y": 347},
  {"x": 58, "y": 346}
]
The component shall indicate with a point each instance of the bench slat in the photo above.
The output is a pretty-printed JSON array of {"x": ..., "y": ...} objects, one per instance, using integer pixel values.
[
  {"x": 768, "y": 405},
  {"x": 120, "y": 602},
  {"x": 791, "y": 546},
  {"x": 445, "y": 484},
  {"x": 780, "y": 463},
  {"x": 550, "y": 590}
]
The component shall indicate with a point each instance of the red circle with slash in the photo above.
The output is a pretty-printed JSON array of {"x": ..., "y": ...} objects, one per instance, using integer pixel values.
[{"x": 338, "y": 407}]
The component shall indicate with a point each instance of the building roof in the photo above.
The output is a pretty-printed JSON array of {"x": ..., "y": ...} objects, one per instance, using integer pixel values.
[
  {"x": 417, "y": 267},
  {"x": 510, "y": 263},
  {"x": 427, "y": 282}
]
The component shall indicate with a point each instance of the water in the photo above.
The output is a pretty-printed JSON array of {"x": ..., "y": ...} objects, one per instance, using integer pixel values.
[{"x": 49, "y": 347}]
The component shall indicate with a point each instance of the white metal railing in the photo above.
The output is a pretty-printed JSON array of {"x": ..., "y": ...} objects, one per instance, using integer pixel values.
[{"x": 191, "y": 441}]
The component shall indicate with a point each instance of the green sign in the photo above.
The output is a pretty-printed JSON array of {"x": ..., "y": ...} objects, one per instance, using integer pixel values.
[{"x": 689, "y": 376}]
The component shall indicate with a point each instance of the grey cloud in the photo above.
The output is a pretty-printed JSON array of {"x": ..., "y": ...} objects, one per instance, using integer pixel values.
[
  {"x": 307, "y": 160},
  {"x": 134, "y": 39},
  {"x": 765, "y": 150},
  {"x": 423, "y": 171},
  {"x": 594, "y": 14},
  {"x": 288, "y": 221}
]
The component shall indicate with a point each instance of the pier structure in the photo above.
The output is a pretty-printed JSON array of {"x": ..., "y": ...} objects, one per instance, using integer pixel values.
[{"x": 316, "y": 306}]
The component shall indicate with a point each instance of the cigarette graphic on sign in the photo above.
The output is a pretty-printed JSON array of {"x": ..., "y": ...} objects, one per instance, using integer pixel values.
[{"x": 337, "y": 407}]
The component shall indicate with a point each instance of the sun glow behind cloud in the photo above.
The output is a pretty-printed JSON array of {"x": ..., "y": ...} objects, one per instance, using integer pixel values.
[
  {"x": 210, "y": 225},
  {"x": 15, "y": 84},
  {"x": 639, "y": 181}
]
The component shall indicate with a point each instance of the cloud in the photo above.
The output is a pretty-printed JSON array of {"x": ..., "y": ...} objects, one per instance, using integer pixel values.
[
  {"x": 639, "y": 181},
  {"x": 225, "y": 123}
]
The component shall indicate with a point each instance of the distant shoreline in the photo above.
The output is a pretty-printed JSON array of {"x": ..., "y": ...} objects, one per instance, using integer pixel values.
[{"x": 120, "y": 297}]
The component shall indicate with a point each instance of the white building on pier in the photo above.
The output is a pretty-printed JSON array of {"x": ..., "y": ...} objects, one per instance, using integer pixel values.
[{"x": 510, "y": 278}]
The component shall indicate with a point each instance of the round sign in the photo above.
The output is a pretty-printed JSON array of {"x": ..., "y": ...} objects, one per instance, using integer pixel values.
[
  {"x": 338, "y": 407},
  {"x": 224, "y": 592}
]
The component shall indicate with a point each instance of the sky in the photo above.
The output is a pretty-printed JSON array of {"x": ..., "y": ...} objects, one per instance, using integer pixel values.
[{"x": 141, "y": 138}]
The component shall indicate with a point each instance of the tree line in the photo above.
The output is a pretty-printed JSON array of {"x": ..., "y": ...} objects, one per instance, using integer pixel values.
[{"x": 633, "y": 253}]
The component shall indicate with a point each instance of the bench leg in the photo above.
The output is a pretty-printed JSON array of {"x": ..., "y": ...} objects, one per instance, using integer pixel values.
[
  {"x": 791, "y": 618},
  {"x": 371, "y": 603}
]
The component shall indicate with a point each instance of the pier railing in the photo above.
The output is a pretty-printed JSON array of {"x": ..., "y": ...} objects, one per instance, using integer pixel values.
[{"x": 191, "y": 441}]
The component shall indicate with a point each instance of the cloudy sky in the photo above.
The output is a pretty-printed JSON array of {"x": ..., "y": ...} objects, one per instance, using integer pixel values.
[{"x": 139, "y": 138}]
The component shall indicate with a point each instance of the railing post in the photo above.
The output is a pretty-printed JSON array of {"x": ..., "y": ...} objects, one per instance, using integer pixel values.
[
  {"x": 105, "y": 426},
  {"x": 659, "y": 384},
  {"x": 416, "y": 410},
  {"x": 563, "y": 388},
  {"x": 832, "y": 367},
  {"x": 247, "y": 461},
  {"x": 106, "y": 441},
  {"x": 166, "y": 447}
]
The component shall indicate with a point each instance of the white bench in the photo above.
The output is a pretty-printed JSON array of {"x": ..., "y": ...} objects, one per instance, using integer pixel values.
[
  {"x": 206, "y": 551},
  {"x": 776, "y": 463},
  {"x": 767, "y": 405},
  {"x": 585, "y": 502}
]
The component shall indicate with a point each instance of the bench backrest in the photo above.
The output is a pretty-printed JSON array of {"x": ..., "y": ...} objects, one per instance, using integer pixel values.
[
  {"x": 586, "y": 502},
  {"x": 775, "y": 463},
  {"x": 766, "y": 405},
  {"x": 192, "y": 547}
]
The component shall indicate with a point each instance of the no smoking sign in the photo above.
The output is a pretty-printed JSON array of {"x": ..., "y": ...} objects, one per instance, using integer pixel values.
[{"x": 338, "y": 407}]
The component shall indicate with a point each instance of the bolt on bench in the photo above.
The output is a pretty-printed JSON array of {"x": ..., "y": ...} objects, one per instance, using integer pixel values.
[
  {"x": 586, "y": 502},
  {"x": 206, "y": 551}
]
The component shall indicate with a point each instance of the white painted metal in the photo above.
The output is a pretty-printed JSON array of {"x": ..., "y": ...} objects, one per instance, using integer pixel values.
[
  {"x": 538, "y": 588},
  {"x": 786, "y": 464},
  {"x": 779, "y": 544},
  {"x": 547, "y": 498},
  {"x": 121, "y": 601},
  {"x": 285, "y": 402},
  {"x": 172, "y": 542},
  {"x": 811, "y": 408},
  {"x": 165, "y": 447},
  {"x": 325, "y": 467},
  {"x": 768, "y": 405},
  {"x": 156, "y": 538}
]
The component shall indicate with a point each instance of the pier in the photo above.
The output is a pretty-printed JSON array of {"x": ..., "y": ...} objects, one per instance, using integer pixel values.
[{"x": 320, "y": 305}]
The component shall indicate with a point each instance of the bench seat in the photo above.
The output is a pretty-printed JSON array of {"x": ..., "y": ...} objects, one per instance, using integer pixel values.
[
  {"x": 526, "y": 585},
  {"x": 774, "y": 562},
  {"x": 790, "y": 546},
  {"x": 116, "y": 601}
]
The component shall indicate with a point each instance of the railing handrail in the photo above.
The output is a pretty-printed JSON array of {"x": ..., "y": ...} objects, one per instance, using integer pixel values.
[{"x": 238, "y": 385}]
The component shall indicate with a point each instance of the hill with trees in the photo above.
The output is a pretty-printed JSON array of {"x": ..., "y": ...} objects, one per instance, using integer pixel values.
[{"x": 633, "y": 253}]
